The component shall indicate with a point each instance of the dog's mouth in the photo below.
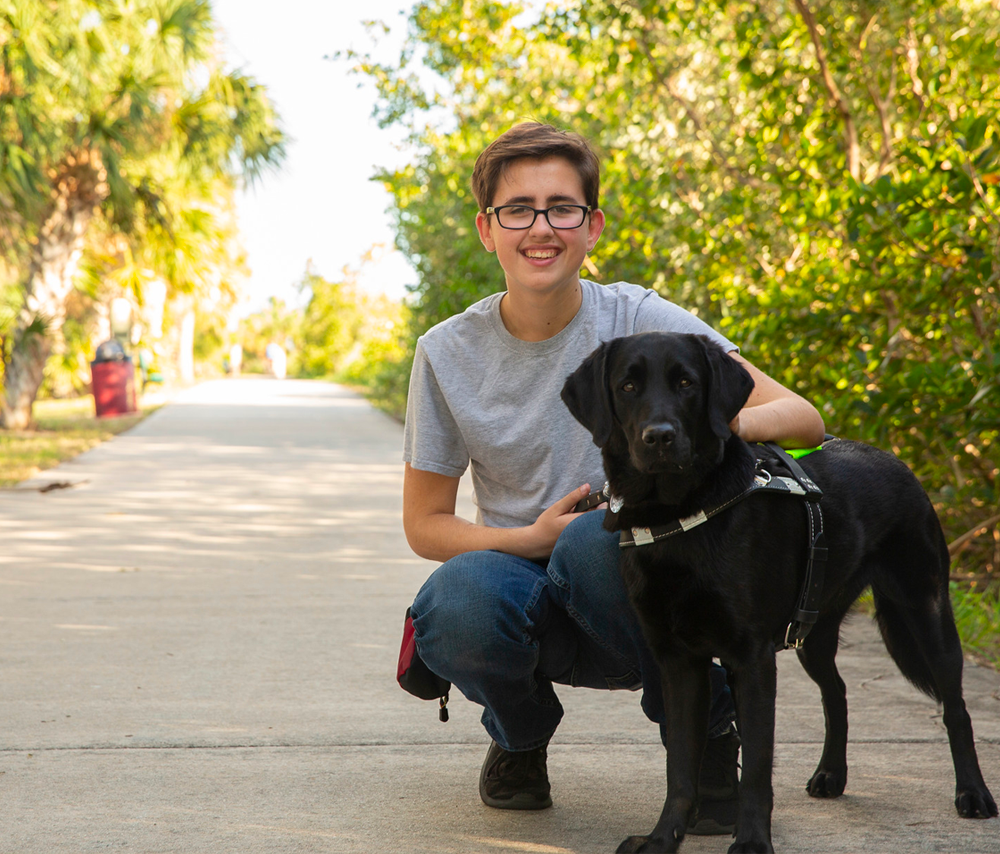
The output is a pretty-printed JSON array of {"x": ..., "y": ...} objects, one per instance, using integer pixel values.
[
  {"x": 657, "y": 467},
  {"x": 663, "y": 461}
]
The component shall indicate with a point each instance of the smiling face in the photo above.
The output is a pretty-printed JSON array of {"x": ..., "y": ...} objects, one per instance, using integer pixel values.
[{"x": 540, "y": 259}]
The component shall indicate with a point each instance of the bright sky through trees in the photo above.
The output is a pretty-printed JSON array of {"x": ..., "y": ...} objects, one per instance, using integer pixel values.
[{"x": 321, "y": 205}]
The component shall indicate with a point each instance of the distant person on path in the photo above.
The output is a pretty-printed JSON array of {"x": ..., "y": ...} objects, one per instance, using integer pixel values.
[
  {"x": 235, "y": 359},
  {"x": 530, "y": 595},
  {"x": 276, "y": 360}
]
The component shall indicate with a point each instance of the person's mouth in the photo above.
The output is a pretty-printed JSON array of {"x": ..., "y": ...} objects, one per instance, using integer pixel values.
[{"x": 540, "y": 254}]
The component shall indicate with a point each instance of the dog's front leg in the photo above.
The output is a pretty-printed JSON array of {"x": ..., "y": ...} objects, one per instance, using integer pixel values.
[
  {"x": 756, "y": 684},
  {"x": 686, "y": 696}
]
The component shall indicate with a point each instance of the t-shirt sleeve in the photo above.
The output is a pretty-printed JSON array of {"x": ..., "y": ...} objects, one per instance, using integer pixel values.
[
  {"x": 656, "y": 314},
  {"x": 432, "y": 440}
]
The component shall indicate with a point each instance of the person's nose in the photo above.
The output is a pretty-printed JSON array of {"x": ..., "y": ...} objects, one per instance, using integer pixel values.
[{"x": 541, "y": 226}]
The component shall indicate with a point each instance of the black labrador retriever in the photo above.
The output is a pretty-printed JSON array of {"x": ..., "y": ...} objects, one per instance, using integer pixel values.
[{"x": 659, "y": 406}]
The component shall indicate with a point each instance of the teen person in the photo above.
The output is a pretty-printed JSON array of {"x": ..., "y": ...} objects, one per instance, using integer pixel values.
[{"x": 530, "y": 595}]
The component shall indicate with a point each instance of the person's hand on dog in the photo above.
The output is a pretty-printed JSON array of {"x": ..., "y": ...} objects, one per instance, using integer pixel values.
[{"x": 547, "y": 527}]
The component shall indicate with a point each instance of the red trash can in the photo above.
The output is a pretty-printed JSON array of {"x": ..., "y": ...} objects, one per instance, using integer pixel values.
[{"x": 114, "y": 387}]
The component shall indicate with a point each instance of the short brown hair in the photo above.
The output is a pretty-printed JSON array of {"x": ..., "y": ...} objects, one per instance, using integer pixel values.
[{"x": 536, "y": 141}]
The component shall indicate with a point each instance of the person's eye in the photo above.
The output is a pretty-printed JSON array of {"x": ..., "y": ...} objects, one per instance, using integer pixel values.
[
  {"x": 517, "y": 211},
  {"x": 563, "y": 210}
]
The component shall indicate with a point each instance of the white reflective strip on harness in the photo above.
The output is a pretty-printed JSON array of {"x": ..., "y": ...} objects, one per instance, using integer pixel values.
[
  {"x": 793, "y": 485},
  {"x": 693, "y": 520},
  {"x": 642, "y": 536}
]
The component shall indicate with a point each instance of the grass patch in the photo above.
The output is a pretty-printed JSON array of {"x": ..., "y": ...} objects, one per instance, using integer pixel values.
[
  {"x": 977, "y": 615},
  {"x": 63, "y": 429}
]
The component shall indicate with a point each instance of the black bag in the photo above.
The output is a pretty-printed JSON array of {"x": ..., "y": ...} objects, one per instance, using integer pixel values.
[{"x": 415, "y": 677}]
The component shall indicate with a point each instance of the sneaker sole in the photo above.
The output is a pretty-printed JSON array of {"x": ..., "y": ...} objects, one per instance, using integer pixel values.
[{"x": 522, "y": 801}]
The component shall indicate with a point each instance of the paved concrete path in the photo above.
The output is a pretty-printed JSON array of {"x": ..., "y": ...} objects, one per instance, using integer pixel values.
[{"x": 198, "y": 648}]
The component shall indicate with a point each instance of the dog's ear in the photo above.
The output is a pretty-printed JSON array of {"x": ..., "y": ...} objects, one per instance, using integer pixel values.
[
  {"x": 587, "y": 396},
  {"x": 730, "y": 385}
]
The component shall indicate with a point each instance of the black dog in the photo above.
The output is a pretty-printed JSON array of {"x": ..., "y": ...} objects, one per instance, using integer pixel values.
[{"x": 659, "y": 407}]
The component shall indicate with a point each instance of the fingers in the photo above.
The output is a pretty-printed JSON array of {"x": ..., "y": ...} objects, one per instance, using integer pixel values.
[
  {"x": 568, "y": 503},
  {"x": 547, "y": 528}
]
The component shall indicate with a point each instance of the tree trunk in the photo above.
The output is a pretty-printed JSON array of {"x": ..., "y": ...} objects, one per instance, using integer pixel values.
[
  {"x": 23, "y": 376},
  {"x": 78, "y": 187}
]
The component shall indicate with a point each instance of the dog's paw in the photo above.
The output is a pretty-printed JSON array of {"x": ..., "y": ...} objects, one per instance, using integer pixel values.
[
  {"x": 827, "y": 784},
  {"x": 647, "y": 845},
  {"x": 975, "y": 803}
]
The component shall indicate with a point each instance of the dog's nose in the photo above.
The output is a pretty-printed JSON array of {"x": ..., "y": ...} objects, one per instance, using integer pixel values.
[{"x": 659, "y": 434}]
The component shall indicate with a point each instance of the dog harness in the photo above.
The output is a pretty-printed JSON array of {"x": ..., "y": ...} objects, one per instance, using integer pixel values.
[{"x": 799, "y": 484}]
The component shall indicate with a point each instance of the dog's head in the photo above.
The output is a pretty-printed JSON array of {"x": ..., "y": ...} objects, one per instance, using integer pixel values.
[{"x": 662, "y": 400}]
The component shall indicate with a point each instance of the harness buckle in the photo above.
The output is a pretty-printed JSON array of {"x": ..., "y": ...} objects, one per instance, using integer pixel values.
[{"x": 790, "y": 643}]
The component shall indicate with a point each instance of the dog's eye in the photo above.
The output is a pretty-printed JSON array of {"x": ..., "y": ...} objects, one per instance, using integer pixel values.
[
  {"x": 684, "y": 383},
  {"x": 628, "y": 387}
]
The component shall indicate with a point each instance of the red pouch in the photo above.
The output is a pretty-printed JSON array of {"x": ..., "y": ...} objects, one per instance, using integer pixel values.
[{"x": 415, "y": 677}]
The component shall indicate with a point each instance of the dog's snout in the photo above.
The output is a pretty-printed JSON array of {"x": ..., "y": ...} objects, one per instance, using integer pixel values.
[{"x": 659, "y": 434}]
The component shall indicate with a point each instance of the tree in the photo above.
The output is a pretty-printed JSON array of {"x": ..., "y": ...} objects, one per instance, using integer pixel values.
[
  {"x": 113, "y": 114},
  {"x": 817, "y": 178},
  {"x": 331, "y": 325}
]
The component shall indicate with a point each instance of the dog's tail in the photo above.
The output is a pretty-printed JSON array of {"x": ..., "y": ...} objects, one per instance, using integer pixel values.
[
  {"x": 913, "y": 609},
  {"x": 903, "y": 645}
]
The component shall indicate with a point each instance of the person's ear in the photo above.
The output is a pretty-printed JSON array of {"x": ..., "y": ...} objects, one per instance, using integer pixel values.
[
  {"x": 484, "y": 225},
  {"x": 594, "y": 228}
]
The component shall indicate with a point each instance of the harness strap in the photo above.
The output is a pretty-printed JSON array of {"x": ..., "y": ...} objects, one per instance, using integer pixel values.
[
  {"x": 763, "y": 481},
  {"x": 807, "y": 611},
  {"x": 807, "y": 608}
]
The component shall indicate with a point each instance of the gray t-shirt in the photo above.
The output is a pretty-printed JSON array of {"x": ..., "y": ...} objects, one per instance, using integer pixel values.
[{"x": 480, "y": 395}]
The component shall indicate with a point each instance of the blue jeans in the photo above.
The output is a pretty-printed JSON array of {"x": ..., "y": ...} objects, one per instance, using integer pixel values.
[{"x": 503, "y": 629}]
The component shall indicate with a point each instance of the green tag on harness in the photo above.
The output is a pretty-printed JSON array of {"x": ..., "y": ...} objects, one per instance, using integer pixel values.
[{"x": 795, "y": 453}]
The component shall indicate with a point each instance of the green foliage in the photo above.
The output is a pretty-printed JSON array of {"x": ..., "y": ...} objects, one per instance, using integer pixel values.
[
  {"x": 10, "y": 298},
  {"x": 341, "y": 333},
  {"x": 817, "y": 180},
  {"x": 277, "y": 323},
  {"x": 131, "y": 90},
  {"x": 122, "y": 139},
  {"x": 977, "y": 614},
  {"x": 382, "y": 366},
  {"x": 330, "y": 327}
]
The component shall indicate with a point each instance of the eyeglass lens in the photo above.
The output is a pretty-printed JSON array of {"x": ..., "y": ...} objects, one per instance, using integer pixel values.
[{"x": 560, "y": 216}]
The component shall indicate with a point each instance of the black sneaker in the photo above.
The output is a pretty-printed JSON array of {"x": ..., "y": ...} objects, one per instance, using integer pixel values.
[
  {"x": 515, "y": 781},
  {"x": 718, "y": 802}
]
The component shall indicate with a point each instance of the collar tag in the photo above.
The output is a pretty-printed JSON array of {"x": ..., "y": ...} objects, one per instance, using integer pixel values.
[
  {"x": 693, "y": 521},
  {"x": 642, "y": 536}
]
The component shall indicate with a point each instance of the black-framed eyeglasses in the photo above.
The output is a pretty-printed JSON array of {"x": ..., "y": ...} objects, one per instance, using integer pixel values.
[{"x": 519, "y": 217}]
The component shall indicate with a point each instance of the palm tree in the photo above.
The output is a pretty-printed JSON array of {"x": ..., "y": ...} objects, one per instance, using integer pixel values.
[{"x": 113, "y": 113}]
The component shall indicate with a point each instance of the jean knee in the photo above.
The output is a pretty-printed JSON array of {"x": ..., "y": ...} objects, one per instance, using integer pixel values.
[
  {"x": 475, "y": 608},
  {"x": 585, "y": 554}
]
